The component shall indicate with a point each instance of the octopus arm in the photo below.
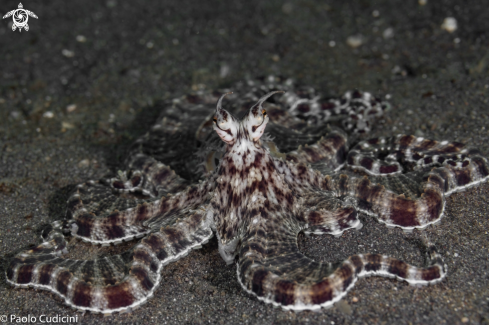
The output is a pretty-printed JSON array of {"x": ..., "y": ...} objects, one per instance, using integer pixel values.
[
  {"x": 329, "y": 222},
  {"x": 402, "y": 198},
  {"x": 110, "y": 284},
  {"x": 113, "y": 219},
  {"x": 323, "y": 213},
  {"x": 272, "y": 268},
  {"x": 303, "y": 168},
  {"x": 148, "y": 176},
  {"x": 329, "y": 151}
]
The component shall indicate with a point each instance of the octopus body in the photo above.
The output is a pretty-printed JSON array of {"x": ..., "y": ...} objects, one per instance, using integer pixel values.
[{"x": 255, "y": 192}]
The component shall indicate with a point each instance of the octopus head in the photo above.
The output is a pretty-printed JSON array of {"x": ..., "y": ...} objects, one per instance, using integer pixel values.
[{"x": 250, "y": 127}]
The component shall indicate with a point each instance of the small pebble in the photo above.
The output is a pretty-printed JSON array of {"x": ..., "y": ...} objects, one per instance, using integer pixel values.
[
  {"x": 67, "y": 125},
  {"x": 422, "y": 2},
  {"x": 48, "y": 114},
  {"x": 68, "y": 53},
  {"x": 449, "y": 24},
  {"x": 70, "y": 108},
  {"x": 84, "y": 163},
  {"x": 81, "y": 39},
  {"x": 224, "y": 72},
  {"x": 354, "y": 41},
  {"x": 465, "y": 320},
  {"x": 354, "y": 299},
  {"x": 388, "y": 33},
  {"x": 287, "y": 8},
  {"x": 344, "y": 307}
]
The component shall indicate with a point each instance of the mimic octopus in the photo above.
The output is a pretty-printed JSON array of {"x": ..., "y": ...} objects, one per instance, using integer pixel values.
[{"x": 312, "y": 172}]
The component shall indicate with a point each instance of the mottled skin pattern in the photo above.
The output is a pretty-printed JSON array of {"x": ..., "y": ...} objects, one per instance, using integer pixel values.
[{"x": 256, "y": 194}]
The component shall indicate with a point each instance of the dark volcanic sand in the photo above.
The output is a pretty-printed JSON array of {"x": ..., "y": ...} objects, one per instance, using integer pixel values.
[{"x": 136, "y": 54}]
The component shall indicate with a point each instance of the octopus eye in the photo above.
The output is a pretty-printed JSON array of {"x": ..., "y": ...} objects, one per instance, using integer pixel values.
[
  {"x": 264, "y": 112},
  {"x": 215, "y": 120}
]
